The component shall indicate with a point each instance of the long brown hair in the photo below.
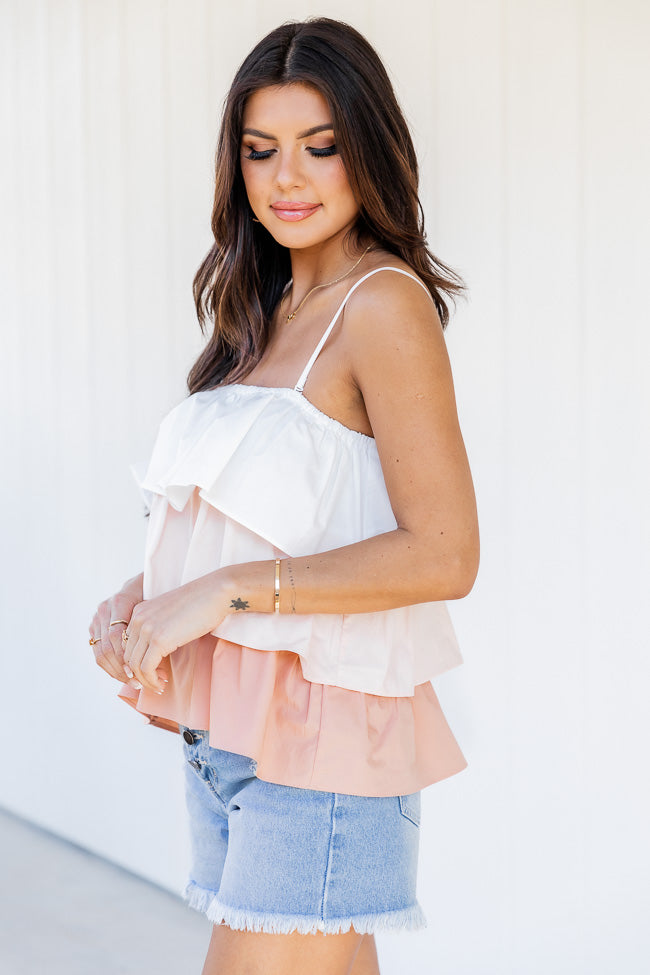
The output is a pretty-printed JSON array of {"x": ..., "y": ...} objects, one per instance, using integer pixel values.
[{"x": 242, "y": 277}]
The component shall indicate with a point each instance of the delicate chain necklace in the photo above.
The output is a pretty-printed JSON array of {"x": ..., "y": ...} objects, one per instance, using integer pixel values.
[{"x": 293, "y": 314}]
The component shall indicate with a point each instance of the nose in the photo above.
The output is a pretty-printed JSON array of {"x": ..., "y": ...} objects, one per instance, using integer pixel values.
[{"x": 288, "y": 173}]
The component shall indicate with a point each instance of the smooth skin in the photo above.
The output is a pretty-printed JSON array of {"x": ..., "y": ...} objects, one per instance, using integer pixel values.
[{"x": 384, "y": 372}]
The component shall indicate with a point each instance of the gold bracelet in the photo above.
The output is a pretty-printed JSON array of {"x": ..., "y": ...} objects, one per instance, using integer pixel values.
[{"x": 276, "y": 596}]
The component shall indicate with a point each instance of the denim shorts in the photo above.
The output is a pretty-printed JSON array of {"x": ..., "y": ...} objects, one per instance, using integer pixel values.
[{"x": 275, "y": 858}]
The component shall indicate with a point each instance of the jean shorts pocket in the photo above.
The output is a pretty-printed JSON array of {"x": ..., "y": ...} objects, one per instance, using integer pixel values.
[{"x": 409, "y": 806}]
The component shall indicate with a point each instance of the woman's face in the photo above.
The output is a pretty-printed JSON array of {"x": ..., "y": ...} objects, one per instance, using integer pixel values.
[{"x": 296, "y": 183}]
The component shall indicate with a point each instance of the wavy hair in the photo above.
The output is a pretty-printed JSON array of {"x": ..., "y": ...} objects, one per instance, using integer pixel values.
[{"x": 245, "y": 272}]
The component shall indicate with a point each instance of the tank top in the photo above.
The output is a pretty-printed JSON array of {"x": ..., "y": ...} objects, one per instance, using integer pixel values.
[{"x": 244, "y": 473}]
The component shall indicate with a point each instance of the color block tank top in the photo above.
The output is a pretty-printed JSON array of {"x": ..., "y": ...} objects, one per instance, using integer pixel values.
[{"x": 336, "y": 702}]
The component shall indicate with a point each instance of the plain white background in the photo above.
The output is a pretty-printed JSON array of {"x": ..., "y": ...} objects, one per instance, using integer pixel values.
[{"x": 530, "y": 119}]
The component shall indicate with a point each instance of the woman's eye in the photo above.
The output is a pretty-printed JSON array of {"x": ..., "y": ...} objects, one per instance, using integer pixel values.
[
  {"x": 253, "y": 154},
  {"x": 327, "y": 151}
]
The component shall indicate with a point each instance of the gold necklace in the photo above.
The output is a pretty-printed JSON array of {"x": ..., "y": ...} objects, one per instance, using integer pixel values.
[{"x": 293, "y": 314}]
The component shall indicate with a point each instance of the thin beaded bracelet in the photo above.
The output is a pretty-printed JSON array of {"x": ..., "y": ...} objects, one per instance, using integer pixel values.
[{"x": 277, "y": 586}]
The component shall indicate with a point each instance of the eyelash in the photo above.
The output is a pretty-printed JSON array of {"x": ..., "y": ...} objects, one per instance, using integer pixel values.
[{"x": 317, "y": 153}]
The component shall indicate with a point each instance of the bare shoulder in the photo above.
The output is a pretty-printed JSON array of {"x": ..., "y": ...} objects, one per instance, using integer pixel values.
[
  {"x": 384, "y": 284},
  {"x": 392, "y": 323}
]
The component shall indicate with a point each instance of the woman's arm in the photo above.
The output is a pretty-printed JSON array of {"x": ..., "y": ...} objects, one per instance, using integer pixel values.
[{"x": 398, "y": 359}]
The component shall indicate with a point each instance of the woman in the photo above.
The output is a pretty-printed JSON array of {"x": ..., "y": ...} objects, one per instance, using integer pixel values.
[{"x": 311, "y": 506}]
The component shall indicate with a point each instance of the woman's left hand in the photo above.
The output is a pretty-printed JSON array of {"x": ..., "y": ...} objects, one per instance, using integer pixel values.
[{"x": 160, "y": 625}]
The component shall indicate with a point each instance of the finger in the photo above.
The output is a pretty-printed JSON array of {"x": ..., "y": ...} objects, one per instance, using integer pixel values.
[
  {"x": 126, "y": 654},
  {"x": 104, "y": 656},
  {"x": 104, "y": 614},
  {"x": 115, "y": 637},
  {"x": 143, "y": 659},
  {"x": 149, "y": 667},
  {"x": 135, "y": 646},
  {"x": 138, "y": 642},
  {"x": 130, "y": 678},
  {"x": 134, "y": 682}
]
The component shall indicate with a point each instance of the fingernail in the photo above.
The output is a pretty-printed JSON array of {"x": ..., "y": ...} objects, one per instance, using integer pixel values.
[
  {"x": 161, "y": 691},
  {"x": 128, "y": 671},
  {"x": 165, "y": 680},
  {"x": 137, "y": 685}
]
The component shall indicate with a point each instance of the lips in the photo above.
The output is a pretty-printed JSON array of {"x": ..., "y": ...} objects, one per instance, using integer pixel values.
[{"x": 294, "y": 211}]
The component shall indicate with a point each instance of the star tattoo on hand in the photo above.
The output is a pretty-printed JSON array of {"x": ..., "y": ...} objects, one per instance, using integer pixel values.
[{"x": 239, "y": 603}]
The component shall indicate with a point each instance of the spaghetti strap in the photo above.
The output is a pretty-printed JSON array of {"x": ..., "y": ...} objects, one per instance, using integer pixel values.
[{"x": 300, "y": 385}]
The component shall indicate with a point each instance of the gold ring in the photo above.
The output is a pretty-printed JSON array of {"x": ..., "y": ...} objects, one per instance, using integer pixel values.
[
  {"x": 126, "y": 622},
  {"x": 93, "y": 642},
  {"x": 125, "y": 635}
]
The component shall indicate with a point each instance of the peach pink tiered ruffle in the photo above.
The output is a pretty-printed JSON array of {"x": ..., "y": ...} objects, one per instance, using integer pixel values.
[{"x": 312, "y": 736}]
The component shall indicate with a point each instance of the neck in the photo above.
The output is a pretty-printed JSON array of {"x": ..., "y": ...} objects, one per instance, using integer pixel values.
[{"x": 324, "y": 262}]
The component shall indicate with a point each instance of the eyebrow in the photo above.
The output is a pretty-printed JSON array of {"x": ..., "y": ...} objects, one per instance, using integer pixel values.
[{"x": 301, "y": 135}]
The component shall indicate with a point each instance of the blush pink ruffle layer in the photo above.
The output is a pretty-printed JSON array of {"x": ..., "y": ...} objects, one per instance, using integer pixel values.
[{"x": 311, "y": 736}]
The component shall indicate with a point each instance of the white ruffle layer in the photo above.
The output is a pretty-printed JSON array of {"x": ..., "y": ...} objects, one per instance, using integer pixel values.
[
  {"x": 288, "y": 480},
  {"x": 271, "y": 461}
]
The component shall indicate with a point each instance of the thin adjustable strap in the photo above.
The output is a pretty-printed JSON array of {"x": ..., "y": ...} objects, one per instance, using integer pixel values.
[{"x": 300, "y": 385}]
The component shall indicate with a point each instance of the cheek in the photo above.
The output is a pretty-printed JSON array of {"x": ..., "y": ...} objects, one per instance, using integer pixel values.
[
  {"x": 347, "y": 202},
  {"x": 340, "y": 188},
  {"x": 247, "y": 177},
  {"x": 253, "y": 178}
]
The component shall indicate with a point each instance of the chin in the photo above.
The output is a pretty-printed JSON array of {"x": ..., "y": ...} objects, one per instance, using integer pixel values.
[
  {"x": 295, "y": 239},
  {"x": 299, "y": 238}
]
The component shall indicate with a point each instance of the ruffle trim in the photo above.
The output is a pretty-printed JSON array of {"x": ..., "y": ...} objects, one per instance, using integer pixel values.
[
  {"x": 208, "y": 903},
  {"x": 253, "y": 451}
]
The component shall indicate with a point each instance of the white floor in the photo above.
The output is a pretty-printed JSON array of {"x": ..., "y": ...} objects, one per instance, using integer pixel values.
[{"x": 64, "y": 911}]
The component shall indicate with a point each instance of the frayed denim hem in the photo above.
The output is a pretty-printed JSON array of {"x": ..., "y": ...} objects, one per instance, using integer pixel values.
[{"x": 407, "y": 919}]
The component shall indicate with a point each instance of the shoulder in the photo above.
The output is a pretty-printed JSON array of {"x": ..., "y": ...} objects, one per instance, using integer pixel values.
[
  {"x": 392, "y": 315},
  {"x": 391, "y": 280},
  {"x": 391, "y": 297}
]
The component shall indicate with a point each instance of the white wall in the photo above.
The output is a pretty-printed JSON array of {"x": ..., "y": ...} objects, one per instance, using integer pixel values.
[{"x": 531, "y": 122}]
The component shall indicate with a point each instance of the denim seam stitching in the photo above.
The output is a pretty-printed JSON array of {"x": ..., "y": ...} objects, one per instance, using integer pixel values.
[
  {"x": 330, "y": 854},
  {"x": 205, "y": 779},
  {"x": 407, "y": 812}
]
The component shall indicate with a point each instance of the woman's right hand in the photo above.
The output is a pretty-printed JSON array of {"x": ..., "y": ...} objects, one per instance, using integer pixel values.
[{"x": 109, "y": 651}]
